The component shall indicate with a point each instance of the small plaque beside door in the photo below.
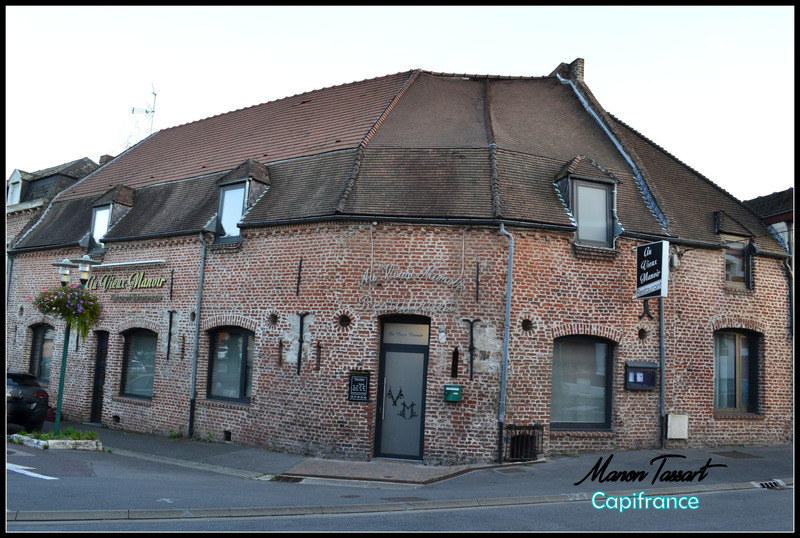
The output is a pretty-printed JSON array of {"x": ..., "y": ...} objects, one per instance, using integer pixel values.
[{"x": 358, "y": 387}]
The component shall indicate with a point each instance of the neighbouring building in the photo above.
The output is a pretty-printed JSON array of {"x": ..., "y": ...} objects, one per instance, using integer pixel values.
[{"x": 414, "y": 266}]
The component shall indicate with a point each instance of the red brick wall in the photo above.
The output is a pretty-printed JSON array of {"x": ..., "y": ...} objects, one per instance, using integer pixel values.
[{"x": 255, "y": 286}]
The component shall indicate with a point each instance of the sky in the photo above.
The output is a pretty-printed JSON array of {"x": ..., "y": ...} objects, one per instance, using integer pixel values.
[{"x": 713, "y": 86}]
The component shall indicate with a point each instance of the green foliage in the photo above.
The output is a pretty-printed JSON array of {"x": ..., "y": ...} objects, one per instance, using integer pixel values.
[
  {"x": 69, "y": 433},
  {"x": 77, "y": 307}
]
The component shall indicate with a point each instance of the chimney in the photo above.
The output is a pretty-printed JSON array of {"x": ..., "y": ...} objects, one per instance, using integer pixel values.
[
  {"x": 576, "y": 70},
  {"x": 104, "y": 159}
]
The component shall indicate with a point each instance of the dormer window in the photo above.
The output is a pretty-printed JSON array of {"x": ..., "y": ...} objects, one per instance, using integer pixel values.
[
  {"x": 14, "y": 189},
  {"x": 592, "y": 203},
  {"x": 231, "y": 209},
  {"x": 587, "y": 189},
  {"x": 100, "y": 223},
  {"x": 238, "y": 190},
  {"x": 737, "y": 263}
]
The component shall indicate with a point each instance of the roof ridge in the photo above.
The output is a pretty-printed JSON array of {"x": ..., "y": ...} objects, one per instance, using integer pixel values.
[{"x": 674, "y": 158}]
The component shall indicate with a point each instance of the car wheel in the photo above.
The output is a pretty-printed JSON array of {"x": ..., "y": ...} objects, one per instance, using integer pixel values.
[{"x": 34, "y": 426}]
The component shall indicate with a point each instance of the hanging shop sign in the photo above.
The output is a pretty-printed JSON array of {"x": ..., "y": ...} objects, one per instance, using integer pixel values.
[{"x": 652, "y": 270}]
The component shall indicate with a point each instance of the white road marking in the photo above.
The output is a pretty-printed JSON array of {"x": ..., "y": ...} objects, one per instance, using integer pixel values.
[{"x": 24, "y": 470}]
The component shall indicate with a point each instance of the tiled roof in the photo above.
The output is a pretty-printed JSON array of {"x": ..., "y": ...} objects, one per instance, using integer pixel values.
[
  {"x": 772, "y": 204},
  {"x": 75, "y": 169},
  {"x": 414, "y": 145},
  {"x": 312, "y": 123}
]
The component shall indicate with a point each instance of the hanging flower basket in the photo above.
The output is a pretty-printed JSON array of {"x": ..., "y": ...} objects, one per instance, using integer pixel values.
[{"x": 77, "y": 307}]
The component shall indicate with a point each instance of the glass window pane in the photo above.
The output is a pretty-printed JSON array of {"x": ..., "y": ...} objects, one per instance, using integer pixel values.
[
  {"x": 140, "y": 364},
  {"x": 725, "y": 371},
  {"x": 231, "y": 365},
  {"x": 744, "y": 372},
  {"x": 102, "y": 216},
  {"x": 592, "y": 213},
  {"x": 579, "y": 382},
  {"x": 734, "y": 262},
  {"x": 231, "y": 210},
  {"x": 46, "y": 356}
]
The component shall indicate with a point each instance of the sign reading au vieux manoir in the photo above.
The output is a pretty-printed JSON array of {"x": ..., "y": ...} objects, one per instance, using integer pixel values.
[
  {"x": 134, "y": 282},
  {"x": 389, "y": 272},
  {"x": 652, "y": 270}
]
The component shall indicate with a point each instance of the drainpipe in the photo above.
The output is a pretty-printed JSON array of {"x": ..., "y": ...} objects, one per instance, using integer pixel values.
[
  {"x": 502, "y": 409},
  {"x": 196, "y": 337},
  {"x": 661, "y": 365}
]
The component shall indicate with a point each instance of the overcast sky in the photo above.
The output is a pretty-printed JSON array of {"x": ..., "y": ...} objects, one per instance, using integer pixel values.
[{"x": 713, "y": 86}]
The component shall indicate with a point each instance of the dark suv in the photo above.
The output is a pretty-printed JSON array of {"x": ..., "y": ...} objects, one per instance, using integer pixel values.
[{"x": 26, "y": 401}]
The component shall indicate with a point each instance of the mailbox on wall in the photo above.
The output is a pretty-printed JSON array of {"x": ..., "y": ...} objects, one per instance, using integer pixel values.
[
  {"x": 640, "y": 375},
  {"x": 452, "y": 393}
]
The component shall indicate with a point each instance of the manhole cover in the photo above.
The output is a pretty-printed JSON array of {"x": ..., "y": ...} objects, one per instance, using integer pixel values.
[{"x": 736, "y": 455}]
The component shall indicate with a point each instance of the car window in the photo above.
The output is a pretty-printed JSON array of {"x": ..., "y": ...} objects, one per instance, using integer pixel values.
[{"x": 21, "y": 381}]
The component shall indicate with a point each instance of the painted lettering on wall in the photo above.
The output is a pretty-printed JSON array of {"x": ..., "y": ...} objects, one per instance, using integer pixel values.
[
  {"x": 385, "y": 273},
  {"x": 136, "y": 281}
]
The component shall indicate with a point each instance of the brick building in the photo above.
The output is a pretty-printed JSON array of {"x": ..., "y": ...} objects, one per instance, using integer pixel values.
[{"x": 407, "y": 265}]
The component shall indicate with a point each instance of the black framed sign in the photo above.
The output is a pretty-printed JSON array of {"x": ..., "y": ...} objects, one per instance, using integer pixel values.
[
  {"x": 358, "y": 387},
  {"x": 652, "y": 270}
]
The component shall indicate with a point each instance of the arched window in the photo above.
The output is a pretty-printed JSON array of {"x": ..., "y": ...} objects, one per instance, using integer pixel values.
[
  {"x": 139, "y": 363},
  {"x": 581, "y": 390},
  {"x": 736, "y": 371},
  {"x": 41, "y": 352},
  {"x": 230, "y": 364}
]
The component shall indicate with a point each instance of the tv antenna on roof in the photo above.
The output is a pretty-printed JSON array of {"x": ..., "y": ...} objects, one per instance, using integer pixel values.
[{"x": 151, "y": 111}]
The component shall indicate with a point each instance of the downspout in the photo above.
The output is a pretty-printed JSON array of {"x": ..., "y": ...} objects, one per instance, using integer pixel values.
[
  {"x": 192, "y": 394},
  {"x": 661, "y": 365},
  {"x": 502, "y": 408}
]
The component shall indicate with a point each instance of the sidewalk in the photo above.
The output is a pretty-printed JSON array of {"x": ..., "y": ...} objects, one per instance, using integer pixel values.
[{"x": 551, "y": 480}]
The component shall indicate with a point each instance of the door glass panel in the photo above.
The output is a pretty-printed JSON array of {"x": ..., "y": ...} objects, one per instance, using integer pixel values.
[{"x": 401, "y": 430}]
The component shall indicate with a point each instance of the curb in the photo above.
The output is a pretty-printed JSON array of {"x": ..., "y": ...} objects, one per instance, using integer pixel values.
[
  {"x": 57, "y": 444},
  {"x": 277, "y": 511}
]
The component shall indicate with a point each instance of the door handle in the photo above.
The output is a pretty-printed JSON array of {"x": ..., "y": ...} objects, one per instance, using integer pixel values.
[{"x": 383, "y": 402}]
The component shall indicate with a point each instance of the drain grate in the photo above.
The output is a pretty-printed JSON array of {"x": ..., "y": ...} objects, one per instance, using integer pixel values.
[
  {"x": 283, "y": 478},
  {"x": 772, "y": 484}
]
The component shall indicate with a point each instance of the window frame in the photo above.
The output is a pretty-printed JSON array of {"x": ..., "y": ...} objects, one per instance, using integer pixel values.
[
  {"x": 224, "y": 209},
  {"x": 129, "y": 338},
  {"x": 246, "y": 364},
  {"x": 751, "y": 343},
  {"x": 14, "y": 192},
  {"x": 38, "y": 339},
  {"x": 576, "y": 186},
  {"x": 95, "y": 236},
  {"x": 605, "y": 425},
  {"x": 745, "y": 259}
]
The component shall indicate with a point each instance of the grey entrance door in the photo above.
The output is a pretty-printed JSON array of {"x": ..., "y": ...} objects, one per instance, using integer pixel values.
[{"x": 401, "y": 401}]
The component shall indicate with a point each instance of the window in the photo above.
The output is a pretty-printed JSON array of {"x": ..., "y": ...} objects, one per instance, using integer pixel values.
[
  {"x": 100, "y": 222},
  {"x": 231, "y": 209},
  {"x": 230, "y": 365},
  {"x": 42, "y": 352},
  {"x": 14, "y": 190},
  {"x": 592, "y": 208},
  {"x": 736, "y": 371},
  {"x": 581, "y": 391},
  {"x": 139, "y": 363},
  {"x": 737, "y": 264}
]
